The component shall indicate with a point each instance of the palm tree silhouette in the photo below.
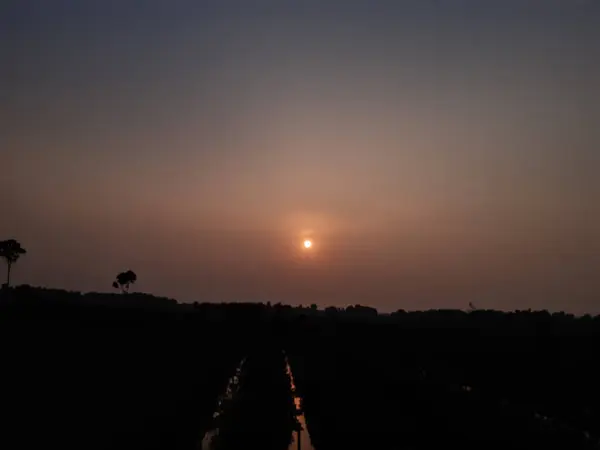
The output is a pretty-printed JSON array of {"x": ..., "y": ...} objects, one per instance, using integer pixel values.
[
  {"x": 124, "y": 280},
  {"x": 10, "y": 251}
]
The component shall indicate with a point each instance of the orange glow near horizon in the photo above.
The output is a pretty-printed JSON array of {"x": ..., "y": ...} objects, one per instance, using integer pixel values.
[{"x": 420, "y": 175}]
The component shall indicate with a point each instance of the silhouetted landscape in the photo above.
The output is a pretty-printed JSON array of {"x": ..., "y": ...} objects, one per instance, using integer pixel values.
[
  {"x": 299, "y": 224},
  {"x": 100, "y": 371}
]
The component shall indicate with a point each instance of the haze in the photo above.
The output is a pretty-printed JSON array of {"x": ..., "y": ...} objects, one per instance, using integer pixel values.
[{"x": 436, "y": 152}]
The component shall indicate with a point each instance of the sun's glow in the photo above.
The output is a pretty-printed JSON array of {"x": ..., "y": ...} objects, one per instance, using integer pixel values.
[{"x": 307, "y": 243}]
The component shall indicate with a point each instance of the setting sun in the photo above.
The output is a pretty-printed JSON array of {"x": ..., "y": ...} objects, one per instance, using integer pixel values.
[{"x": 307, "y": 244}]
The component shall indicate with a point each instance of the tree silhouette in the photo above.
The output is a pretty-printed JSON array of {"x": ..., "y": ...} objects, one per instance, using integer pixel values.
[
  {"x": 124, "y": 280},
  {"x": 10, "y": 251}
]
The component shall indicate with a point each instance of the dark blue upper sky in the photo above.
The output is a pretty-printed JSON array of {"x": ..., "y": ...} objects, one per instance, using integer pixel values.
[{"x": 436, "y": 151}]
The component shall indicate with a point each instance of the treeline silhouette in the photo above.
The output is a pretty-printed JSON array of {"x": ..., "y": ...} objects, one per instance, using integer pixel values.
[
  {"x": 90, "y": 375},
  {"x": 108, "y": 371}
]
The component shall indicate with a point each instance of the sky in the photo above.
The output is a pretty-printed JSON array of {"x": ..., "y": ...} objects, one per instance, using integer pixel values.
[{"x": 436, "y": 152}]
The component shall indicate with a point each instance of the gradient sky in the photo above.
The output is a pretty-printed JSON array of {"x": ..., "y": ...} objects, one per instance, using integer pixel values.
[{"x": 437, "y": 152}]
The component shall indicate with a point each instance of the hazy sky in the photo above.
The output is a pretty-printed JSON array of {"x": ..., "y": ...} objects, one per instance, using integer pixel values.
[{"x": 437, "y": 152}]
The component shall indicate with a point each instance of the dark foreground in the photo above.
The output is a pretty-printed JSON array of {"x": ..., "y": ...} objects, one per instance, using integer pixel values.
[{"x": 135, "y": 372}]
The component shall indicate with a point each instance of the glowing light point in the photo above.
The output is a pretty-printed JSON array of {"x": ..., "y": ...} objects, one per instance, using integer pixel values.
[{"x": 307, "y": 244}]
